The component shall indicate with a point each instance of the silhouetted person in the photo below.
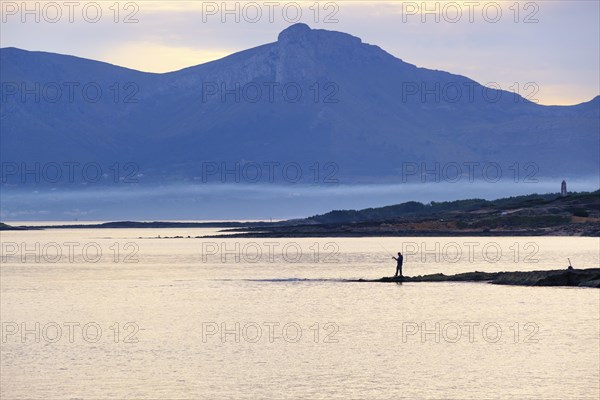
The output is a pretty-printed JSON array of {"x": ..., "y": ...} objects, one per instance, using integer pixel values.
[{"x": 400, "y": 259}]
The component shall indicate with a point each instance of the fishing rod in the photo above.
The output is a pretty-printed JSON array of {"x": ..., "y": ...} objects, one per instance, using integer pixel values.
[{"x": 386, "y": 250}]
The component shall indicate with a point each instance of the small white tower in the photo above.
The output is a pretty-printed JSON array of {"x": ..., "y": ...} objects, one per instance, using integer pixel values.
[{"x": 563, "y": 189}]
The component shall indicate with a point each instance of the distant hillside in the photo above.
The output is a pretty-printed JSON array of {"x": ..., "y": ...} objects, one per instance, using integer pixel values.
[
  {"x": 534, "y": 215},
  {"x": 5, "y": 227},
  {"x": 577, "y": 204}
]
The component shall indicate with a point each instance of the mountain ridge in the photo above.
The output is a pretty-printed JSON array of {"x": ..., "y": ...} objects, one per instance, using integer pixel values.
[
  {"x": 356, "y": 109},
  {"x": 294, "y": 28}
]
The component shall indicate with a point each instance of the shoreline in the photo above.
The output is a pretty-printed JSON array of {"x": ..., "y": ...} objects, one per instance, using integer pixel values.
[
  {"x": 589, "y": 277},
  {"x": 348, "y": 234},
  {"x": 274, "y": 230}
]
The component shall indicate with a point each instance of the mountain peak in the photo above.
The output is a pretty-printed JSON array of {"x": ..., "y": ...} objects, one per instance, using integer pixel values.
[
  {"x": 302, "y": 34},
  {"x": 294, "y": 31}
]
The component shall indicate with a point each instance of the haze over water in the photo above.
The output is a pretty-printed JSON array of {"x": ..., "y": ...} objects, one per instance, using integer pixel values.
[{"x": 303, "y": 331}]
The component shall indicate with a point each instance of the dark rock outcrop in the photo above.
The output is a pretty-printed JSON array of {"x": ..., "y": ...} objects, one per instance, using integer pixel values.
[{"x": 568, "y": 277}]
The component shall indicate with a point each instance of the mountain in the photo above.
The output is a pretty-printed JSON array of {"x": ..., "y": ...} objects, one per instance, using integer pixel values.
[{"x": 360, "y": 108}]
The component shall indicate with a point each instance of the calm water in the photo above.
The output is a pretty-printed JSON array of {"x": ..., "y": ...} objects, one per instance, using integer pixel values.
[{"x": 143, "y": 318}]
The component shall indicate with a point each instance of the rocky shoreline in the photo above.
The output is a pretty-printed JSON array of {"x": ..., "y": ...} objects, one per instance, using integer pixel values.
[
  {"x": 589, "y": 277},
  {"x": 318, "y": 231}
]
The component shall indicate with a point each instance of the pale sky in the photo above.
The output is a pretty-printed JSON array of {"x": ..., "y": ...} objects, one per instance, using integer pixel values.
[{"x": 553, "y": 44}]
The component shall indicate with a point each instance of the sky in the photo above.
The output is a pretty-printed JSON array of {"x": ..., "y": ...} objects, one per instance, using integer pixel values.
[{"x": 548, "y": 51}]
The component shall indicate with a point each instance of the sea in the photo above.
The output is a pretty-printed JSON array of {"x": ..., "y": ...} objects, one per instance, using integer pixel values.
[{"x": 168, "y": 314}]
